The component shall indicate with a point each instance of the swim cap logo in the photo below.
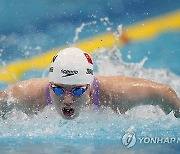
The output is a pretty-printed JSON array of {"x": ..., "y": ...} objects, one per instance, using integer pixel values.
[
  {"x": 89, "y": 71},
  {"x": 51, "y": 69},
  {"x": 129, "y": 139},
  {"x": 69, "y": 72},
  {"x": 54, "y": 58}
]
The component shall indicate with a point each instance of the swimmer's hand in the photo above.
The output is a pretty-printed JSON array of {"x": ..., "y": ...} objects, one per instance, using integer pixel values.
[
  {"x": 176, "y": 106},
  {"x": 177, "y": 113},
  {"x": 176, "y": 109},
  {"x": 170, "y": 101}
]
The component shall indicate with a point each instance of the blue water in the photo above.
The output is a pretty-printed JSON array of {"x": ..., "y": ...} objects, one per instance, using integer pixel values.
[{"x": 30, "y": 28}]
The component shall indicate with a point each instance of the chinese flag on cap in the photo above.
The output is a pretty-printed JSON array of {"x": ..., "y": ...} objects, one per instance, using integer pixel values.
[{"x": 88, "y": 58}]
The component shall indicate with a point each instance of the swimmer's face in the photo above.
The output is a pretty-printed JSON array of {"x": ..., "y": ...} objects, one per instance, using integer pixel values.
[{"x": 69, "y": 104}]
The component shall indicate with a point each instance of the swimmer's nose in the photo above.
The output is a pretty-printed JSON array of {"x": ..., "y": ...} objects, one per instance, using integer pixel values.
[{"x": 68, "y": 100}]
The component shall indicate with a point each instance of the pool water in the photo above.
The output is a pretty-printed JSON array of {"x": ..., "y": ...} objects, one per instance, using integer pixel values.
[{"x": 28, "y": 29}]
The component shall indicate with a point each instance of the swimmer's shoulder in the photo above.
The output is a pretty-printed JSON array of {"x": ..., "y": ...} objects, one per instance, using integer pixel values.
[
  {"x": 111, "y": 83},
  {"x": 30, "y": 86},
  {"x": 29, "y": 82},
  {"x": 111, "y": 79}
]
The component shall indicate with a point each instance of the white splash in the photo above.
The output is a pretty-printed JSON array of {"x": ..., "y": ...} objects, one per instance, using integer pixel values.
[
  {"x": 118, "y": 33},
  {"x": 79, "y": 29}
]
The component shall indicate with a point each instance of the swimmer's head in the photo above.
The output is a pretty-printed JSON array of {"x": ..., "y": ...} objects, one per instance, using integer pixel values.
[
  {"x": 71, "y": 66},
  {"x": 70, "y": 75}
]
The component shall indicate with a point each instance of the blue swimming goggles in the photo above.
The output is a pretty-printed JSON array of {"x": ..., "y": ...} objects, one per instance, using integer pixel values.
[{"x": 77, "y": 91}]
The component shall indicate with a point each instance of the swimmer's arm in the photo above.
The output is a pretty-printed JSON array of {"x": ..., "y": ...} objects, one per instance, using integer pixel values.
[
  {"x": 11, "y": 97},
  {"x": 26, "y": 95},
  {"x": 151, "y": 93},
  {"x": 130, "y": 92},
  {"x": 7, "y": 100}
]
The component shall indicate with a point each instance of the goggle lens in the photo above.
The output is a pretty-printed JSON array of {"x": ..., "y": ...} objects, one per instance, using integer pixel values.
[
  {"x": 78, "y": 91},
  {"x": 58, "y": 90},
  {"x": 75, "y": 91}
]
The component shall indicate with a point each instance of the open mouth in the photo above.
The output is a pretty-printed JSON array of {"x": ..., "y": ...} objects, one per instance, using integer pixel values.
[{"x": 68, "y": 112}]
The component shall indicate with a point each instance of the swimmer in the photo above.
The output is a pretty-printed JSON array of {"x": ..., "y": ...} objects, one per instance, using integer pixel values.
[{"x": 71, "y": 86}]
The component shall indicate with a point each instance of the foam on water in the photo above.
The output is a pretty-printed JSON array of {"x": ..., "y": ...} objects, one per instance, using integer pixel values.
[{"x": 89, "y": 125}]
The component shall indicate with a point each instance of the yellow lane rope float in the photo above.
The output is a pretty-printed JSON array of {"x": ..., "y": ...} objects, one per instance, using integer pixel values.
[{"x": 138, "y": 32}]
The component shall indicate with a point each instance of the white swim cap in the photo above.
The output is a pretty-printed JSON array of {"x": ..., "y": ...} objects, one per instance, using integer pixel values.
[{"x": 71, "y": 66}]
